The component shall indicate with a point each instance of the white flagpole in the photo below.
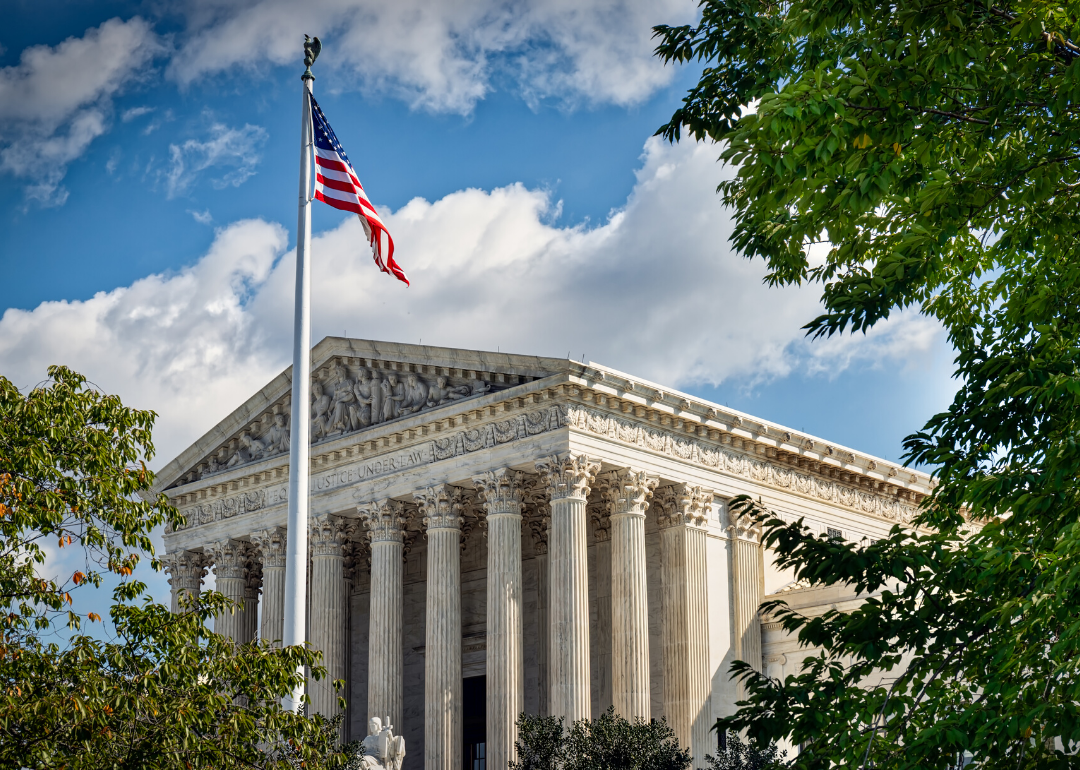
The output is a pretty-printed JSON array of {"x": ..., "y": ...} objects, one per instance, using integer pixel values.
[{"x": 295, "y": 630}]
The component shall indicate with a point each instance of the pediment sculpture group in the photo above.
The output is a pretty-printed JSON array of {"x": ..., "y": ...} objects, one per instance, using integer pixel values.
[{"x": 341, "y": 405}]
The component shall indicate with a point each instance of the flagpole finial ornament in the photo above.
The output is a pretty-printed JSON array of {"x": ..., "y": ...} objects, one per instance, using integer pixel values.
[{"x": 312, "y": 49}]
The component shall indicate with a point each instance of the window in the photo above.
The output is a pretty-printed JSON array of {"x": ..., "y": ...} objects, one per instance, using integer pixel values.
[
  {"x": 476, "y": 756},
  {"x": 835, "y": 534}
]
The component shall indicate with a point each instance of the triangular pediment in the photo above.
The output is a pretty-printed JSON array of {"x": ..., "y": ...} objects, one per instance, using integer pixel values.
[{"x": 356, "y": 385}]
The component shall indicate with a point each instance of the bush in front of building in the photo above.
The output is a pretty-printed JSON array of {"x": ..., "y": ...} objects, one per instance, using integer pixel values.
[{"x": 608, "y": 742}]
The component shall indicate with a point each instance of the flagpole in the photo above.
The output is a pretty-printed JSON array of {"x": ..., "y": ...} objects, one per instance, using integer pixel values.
[{"x": 295, "y": 628}]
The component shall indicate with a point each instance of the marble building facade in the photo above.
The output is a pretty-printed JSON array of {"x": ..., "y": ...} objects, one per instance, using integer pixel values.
[{"x": 495, "y": 533}]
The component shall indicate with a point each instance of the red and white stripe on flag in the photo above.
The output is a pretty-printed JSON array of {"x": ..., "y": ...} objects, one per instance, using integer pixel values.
[{"x": 337, "y": 185}]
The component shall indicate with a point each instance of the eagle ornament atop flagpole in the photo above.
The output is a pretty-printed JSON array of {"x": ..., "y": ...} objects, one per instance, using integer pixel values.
[{"x": 337, "y": 185}]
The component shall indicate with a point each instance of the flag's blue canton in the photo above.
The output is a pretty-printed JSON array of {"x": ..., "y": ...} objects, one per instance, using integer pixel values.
[{"x": 325, "y": 138}]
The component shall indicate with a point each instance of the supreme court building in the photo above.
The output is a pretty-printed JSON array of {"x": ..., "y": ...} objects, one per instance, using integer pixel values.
[{"x": 495, "y": 533}]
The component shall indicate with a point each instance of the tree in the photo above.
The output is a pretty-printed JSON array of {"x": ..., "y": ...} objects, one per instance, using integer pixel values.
[
  {"x": 736, "y": 755},
  {"x": 930, "y": 150},
  {"x": 165, "y": 692},
  {"x": 608, "y": 742}
]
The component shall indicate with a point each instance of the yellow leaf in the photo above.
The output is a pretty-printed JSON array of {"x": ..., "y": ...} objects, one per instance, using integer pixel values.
[
  {"x": 896, "y": 147},
  {"x": 863, "y": 141}
]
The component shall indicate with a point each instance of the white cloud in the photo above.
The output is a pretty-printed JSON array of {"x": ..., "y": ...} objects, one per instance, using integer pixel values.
[
  {"x": 654, "y": 291},
  {"x": 202, "y": 217},
  {"x": 58, "y": 99},
  {"x": 233, "y": 148},
  {"x": 135, "y": 112},
  {"x": 443, "y": 56}
]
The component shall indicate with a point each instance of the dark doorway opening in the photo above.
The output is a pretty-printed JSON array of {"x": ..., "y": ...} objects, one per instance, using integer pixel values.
[{"x": 474, "y": 722}]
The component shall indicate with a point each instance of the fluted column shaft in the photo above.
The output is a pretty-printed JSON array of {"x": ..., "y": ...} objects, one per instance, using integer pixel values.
[
  {"x": 385, "y": 520},
  {"x": 539, "y": 523},
  {"x": 500, "y": 495},
  {"x": 687, "y": 683},
  {"x": 568, "y": 478},
  {"x": 748, "y": 570},
  {"x": 629, "y": 495},
  {"x": 602, "y": 643},
  {"x": 229, "y": 557},
  {"x": 252, "y": 585},
  {"x": 441, "y": 508},
  {"x": 271, "y": 546},
  {"x": 327, "y": 620},
  {"x": 186, "y": 570}
]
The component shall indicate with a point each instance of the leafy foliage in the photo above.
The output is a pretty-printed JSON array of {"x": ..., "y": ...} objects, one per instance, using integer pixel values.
[
  {"x": 736, "y": 755},
  {"x": 608, "y": 742},
  {"x": 165, "y": 692},
  {"x": 933, "y": 150}
]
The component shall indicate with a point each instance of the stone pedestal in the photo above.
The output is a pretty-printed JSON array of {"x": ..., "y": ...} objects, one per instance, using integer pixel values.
[
  {"x": 682, "y": 514},
  {"x": 441, "y": 508},
  {"x": 500, "y": 494},
  {"x": 229, "y": 557},
  {"x": 385, "y": 521},
  {"x": 326, "y": 624},
  {"x": 186, "y": 570},
  {"x": 270, "y": 544},
  {"x": 628, "y": 495},
  {"x": 567, "y": 478}
]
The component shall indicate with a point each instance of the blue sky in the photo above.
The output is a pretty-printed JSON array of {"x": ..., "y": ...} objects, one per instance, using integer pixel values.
[{"x": 148, "y": 162}]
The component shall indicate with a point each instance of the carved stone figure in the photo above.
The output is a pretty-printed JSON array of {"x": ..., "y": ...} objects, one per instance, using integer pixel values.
[
  {"x": 360, "y": 411},
  {"x": 376, "y": 398},
  {"x": 340, "y": 419},
  {"x": 320, "y": 405},
  {"x": 442, "y": 393},
  {"x": 277, "y": 436},
  {"x": 382, "y": 749},
  {"x": 250, "y": 449},
  {"x": 393, "y": 393},
  {"x": 416, "y": 395}
]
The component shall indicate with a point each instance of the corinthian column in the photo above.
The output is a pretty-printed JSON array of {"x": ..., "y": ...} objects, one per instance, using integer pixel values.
[
  {"x": 385, "y": 521},
  {"x": 628, "y": 495},
  {"x": 186, "y": 570},
  {"x": 539, "y": 522},
  {"x": 683, "y": 511},
  {"x": 441, "y": 508},
  {"x": 500, "y": 494},
  {"x": 598, "y": 512},
  {"x": 567, "y": 478},
  {"x": 748, "y": 573},
  {"x": 249, "y": 620},
  {"x": 271, "y": 546},
  {"x": 229, "y": 557},
  {"x": 326, "y": 625}
]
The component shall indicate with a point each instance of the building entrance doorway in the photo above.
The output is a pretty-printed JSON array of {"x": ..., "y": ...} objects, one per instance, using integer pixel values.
[{"x": 474, "y": 722}]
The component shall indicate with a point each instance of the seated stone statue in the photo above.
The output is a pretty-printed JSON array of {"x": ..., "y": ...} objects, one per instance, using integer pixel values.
[{"x": 382, "y": 749}]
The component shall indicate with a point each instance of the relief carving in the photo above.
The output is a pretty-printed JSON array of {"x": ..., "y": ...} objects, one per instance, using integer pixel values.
[{"x": 344, "y": 401}]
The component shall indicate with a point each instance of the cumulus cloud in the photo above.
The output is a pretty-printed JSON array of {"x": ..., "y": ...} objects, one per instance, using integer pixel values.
[
  {"x": 234, "y": 149},
  {"x": 443, "y": 56},
  {"x": 654, "y": 291},
  {"x": 58, "y": 99}
]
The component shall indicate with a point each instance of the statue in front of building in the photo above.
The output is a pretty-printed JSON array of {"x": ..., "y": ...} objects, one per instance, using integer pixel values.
[{"x": 382, "y": 749}]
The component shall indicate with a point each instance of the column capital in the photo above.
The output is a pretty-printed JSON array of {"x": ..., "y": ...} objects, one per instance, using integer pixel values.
[
  {"x": 185, "y": 569},
  {"x": 327, "y": 535},
  {"x": 501, "y": 491},
  {"x": 229, "y": 557},
  {"x": 568, "y": 475},
  {"x": 270, "y": 544},
  {"x": 441, "y": 507},
  {"x": 628, "y": 491},
  {"x": 745, "y": 527},
  {"x": 385, "y": 520},
  {"x": 682, "y": 505}
]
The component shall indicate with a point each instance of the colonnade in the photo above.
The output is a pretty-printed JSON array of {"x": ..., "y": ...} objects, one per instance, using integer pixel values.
[{"x": 561, "y": 488}]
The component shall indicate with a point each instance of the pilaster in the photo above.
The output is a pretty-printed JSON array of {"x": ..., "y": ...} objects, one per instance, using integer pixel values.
[{"x": 748, "y": 578}]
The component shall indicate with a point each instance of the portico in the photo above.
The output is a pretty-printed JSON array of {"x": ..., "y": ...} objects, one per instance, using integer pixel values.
[{"x": 557, "y": 528}]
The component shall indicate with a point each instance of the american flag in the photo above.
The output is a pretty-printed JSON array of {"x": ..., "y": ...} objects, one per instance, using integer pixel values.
[{"x": 336, "y": 184}]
